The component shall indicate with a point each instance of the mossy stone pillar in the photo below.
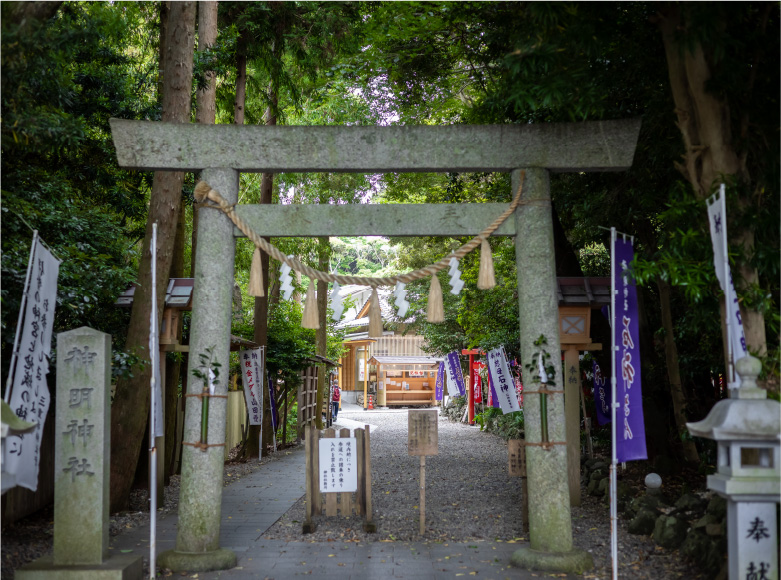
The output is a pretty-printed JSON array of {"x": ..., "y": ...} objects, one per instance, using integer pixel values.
[
  {"x": 550, "y": 520},
  {"x": 200, "y": 499}
]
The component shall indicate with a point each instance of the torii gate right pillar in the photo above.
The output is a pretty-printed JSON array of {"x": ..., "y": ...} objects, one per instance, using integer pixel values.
[{"x": 550, "y": 524}]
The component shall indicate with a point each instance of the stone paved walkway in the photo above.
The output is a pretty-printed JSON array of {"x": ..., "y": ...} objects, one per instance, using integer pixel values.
[{"x": 253, "y": 503}]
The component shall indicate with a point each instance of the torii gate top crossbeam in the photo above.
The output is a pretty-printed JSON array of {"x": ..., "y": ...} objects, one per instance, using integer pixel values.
[{"x": 558, "y": 147}]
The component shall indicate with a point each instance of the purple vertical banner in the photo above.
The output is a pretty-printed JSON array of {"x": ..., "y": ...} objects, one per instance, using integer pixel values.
[
  {"x": 440, "y": 385},
  {"x": 273, "y": 402},
  {"x": 630, "y": 427},
  {"x": 454, "y": 370},
  {"x": 601, "y": 394},
  {"x": 493, "y": 400}
]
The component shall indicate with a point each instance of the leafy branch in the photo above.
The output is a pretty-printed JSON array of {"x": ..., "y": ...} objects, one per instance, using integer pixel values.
[{"x": 547, "y": 363}]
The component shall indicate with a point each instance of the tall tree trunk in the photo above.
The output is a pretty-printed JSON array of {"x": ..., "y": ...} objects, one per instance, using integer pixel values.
[
  {"x": 205, "y": 99},
  {"x": 321, "y": 336},
  {"x": 262, "y": 302},
  {"x": 173, "y": 368},
  {"x": 711, "y": 153},
  {"x": 674, "y": 375},
  {"x": 130, "y": 407}
]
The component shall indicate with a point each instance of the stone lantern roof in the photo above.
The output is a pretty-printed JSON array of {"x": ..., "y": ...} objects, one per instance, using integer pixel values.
[{"x": 746, "y": 415}]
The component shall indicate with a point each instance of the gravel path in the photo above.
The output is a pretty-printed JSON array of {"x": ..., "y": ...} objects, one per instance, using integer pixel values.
[{"x": 469, "y": 497}]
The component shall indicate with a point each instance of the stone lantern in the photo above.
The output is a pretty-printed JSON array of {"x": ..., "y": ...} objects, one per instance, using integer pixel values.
[{"x": 747, "y": 428}]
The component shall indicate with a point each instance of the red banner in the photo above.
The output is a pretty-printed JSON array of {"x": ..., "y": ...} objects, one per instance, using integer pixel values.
[{"x": 477, "y": 384}]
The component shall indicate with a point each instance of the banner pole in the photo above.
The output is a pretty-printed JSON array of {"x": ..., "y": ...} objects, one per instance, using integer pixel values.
[
  {"x": 727, "y": 285},
  {"x": 262, "y": 402},
  {"x": 152, "y": 411},
  {"x": 613, "y": 405},
  {"x": 15, "y": 351}
]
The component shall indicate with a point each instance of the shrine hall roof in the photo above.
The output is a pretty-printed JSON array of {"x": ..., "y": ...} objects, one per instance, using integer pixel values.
[
  {"x": 594, "y": 292},
  {"x": 407, "y": 360}
]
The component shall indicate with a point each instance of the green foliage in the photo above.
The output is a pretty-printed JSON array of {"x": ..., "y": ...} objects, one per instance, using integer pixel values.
[
  {"x": 289, "y": 345},
  {"x": 292, "y": 423},
  {"x": 61, "y": 81},
  {"x": 366, "y": 256},
  {"x": 548, "y": 363},
  {"x": 207, "y": 366}
]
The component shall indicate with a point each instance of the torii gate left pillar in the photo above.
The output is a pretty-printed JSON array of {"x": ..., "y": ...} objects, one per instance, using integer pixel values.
[{"x": 540, "y": 149}]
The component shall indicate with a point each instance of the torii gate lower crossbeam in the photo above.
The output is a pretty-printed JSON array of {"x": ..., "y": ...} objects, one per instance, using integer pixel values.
[{"x": 596, "y": 146}]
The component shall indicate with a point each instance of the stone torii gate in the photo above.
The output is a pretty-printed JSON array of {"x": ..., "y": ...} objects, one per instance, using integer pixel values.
[{"x": 223, "y": 151}]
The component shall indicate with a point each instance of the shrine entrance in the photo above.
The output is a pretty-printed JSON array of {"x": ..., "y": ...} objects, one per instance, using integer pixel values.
[{"x": 221, "y": 152}]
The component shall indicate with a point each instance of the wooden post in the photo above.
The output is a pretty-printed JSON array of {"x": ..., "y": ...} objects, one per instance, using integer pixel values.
[
  {"x": 516, "y": 454},
  {"x": 422, "y": 440},
  {"x": 317, "y": 501},
  {"x": 422, "y": 494},
  {"x": 572, "y": 415},
  {"x": 310, "y": 477},
  {"x": 365, "y": 376},
  {"x": 368, "y": 523},
  {"x": 284, "y": 416},
  {"x": 587, "y": 423},
  {"x": 361, "y": 493},
  {"x": 346, "y": 499},
  {"x": 382, "y": 400}
]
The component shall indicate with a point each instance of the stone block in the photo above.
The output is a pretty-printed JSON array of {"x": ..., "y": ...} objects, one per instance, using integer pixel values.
[
  {"x": 704, "y": 521},
  {"x": 598, "y": 474},
  {"x": 690, "y": 502},
  {"x": 120, "y": 567},
  {"x": 717, "y": 506},
  {"x": 643, "y": 523},
  {"x": 82, "y": 446},
  {"x": 644, "y": 502},
  {"x": 715, "y": 529},
  {"x": 669, "y": 531}
]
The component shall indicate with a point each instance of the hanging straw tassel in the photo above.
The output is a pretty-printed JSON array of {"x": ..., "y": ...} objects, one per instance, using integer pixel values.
[
  {"x": 436, "y": 312},
  {"x": 375, "y": 315},
  {"x": 256, "y": 275},
  {"x": 486, "y": 279},
  {"x": 311, "y": 316}
]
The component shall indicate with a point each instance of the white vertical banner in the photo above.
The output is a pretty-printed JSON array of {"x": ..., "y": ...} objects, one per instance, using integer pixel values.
[
  {"x": 455, "y": 379},
  {"x": 30, "y": 396},
  {"x": 717, "y": 217},
  {"x": 503, "y": 382},
  {"x": 252, "y": 378},
  {"x": 154, "y": 346}
]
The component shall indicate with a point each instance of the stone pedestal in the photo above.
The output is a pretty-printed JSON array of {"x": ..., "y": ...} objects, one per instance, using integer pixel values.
[
  {"x": 122, "y": 567},
  {"x": 81, "y": 465}
]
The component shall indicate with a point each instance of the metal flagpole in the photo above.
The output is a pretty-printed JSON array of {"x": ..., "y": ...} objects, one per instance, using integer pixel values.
[
  {"x": 271, "y": 404},
  {"x": 727, "y": 286},
  {"x": 152, "y": 448},
  {"x": 262, "y": 399},
  {"x": 613, "y": 405},
  {"x": 15, "y": 352}
]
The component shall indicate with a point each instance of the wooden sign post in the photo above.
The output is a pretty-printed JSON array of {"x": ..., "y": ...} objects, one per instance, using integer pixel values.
[
  {"x": 337, "y": 467},
  {"x": 516, "y": 467},
  {"x": 423, "y": 439}
]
